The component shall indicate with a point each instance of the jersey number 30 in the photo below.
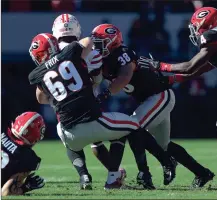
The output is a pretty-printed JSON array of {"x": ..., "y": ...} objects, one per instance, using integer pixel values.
[
  {"x": 4, "y": 159},
  {"x": 67, "y": 71}
]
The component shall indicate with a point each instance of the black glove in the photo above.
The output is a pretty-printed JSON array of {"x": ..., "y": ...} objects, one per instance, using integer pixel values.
[
  {"x": 103, "y": 96},
  {"x": 148, "y": 63},
  {"x": 33, "y": 182}
]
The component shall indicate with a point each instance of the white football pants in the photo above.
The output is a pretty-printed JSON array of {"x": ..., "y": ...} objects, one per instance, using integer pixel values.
[
  {"x": 154, "y": 115},
  {"x": 110, "y": 126}
]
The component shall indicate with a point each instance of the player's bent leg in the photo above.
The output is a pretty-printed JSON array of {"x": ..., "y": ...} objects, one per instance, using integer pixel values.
[
  {"x": 110, "y": 126},
  {"x": 137, "y": 144},
  {"x": 101, "y": 153},
  {"x": 150, "y": 114},
  {"x": 124, "y": 123},
  {"x": 202, "y": 174},
  {"x": 78, "y": 161},
  {"x": 161, "y": 132},
  {"x": 115, "y": 152},
  {"x": 155, "y": 109}
]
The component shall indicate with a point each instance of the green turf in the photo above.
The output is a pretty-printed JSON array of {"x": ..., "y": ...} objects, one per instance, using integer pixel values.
[{"x": 62, "y": 180}]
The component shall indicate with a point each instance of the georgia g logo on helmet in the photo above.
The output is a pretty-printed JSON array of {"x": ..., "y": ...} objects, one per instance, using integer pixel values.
[
  {"x": 35, "y": 45},
  {"x": 203, "y": 14},
  {"x": 110, "y": 31}
]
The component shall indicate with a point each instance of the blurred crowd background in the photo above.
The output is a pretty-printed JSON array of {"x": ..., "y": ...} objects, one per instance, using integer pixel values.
[{"x": 156, "y": 26}]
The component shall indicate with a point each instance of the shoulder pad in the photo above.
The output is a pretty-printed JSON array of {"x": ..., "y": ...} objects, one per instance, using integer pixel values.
[{"x": 208, "y": 37}]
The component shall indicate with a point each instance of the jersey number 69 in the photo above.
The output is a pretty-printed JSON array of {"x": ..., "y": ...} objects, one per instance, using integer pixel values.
[{"x": 67, "y": 71}]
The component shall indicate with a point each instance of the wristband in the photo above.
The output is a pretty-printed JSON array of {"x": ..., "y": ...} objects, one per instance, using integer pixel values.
[{"x": 165, "y": 67}]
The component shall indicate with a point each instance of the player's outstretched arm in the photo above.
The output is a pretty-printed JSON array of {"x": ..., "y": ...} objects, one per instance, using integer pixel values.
[
  {"x": 87, "y": 44},
  {"x": 178, "y": 78},
  {"x": 190, "y": 67}
]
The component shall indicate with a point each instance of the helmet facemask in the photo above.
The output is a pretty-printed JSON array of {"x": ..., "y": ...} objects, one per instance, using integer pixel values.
[
  {"x": 102, "y": 45},
  {"x": 194, "y": 32}
]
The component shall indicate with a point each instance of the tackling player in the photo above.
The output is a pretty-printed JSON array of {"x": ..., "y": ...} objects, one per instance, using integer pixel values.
[
  {"x": 62, "y": 80},
  {"x": 66, "y": 29},
  {"x": 18, "y": 159},
  {"x": 149, "y": 88}
]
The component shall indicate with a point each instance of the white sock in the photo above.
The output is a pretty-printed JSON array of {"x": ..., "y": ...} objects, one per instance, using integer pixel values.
[{"x": 112, "y": 177}]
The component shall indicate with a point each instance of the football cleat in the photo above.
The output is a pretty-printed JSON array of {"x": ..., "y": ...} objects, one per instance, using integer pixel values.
[
  {"x": 123, "y": 174},
  {"x": 200, "y": 181},
  {"x": 117, "y": 183},
  {"x": 145, "y": 181},
  {"x": 170, "y": 171},
  {"x": 86, "y": 182}
]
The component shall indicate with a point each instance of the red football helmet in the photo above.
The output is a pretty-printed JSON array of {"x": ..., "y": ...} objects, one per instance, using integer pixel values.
[
  {"x": 44, "y": 46},
  {"x": 28, "y": 128},
  {"x": 106, "y": 37},
  {"x": 202, "y": 20}
]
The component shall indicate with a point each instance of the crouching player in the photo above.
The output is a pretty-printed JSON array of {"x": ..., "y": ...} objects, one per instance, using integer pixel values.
[{"x": 18, "y": 159}]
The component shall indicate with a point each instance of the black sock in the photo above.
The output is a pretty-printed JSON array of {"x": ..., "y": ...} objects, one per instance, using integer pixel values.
[
  {"x": 152, "y": 146},
  {"x": 102, "y": 153},
  {"x": 78, "y": 160},
  {"x": 182, "y": 156},
  {"x": 136, "y": 142},
  {"x": 116, "y": 153}
]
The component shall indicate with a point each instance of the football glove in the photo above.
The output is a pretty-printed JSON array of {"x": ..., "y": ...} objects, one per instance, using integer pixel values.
[
  {"x": 148, "y": 63},
  {"x": 33, "y": 182},
  {"x": 103, "y": 96}
]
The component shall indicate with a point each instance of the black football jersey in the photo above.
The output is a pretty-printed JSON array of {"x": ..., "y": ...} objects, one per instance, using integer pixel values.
[
  {"x": 144, "y": 82},
  {"x": 207, "y": 37},
  {"x": 65, "y": 79},
  {"x": 16, "y": 158}
]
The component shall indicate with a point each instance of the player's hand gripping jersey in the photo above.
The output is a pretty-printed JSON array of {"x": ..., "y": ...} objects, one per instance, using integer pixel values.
[
  {"x": 66, "y": 81},
  {"x": 144, "y": 82}
]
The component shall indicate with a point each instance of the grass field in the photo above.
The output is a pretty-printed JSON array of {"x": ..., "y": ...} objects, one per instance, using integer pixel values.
[{"x": 62, "y": 180}]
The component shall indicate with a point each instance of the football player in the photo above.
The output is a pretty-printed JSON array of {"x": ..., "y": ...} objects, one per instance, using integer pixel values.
[
  {"x": 66, "y": 29},
  {"x": 153, "y": 94},
  {"x": 18, "y": 159},
  {"x": 203, "y": 34},
  {"x": 62, "y": 80}
]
